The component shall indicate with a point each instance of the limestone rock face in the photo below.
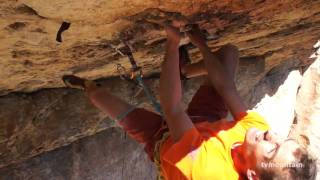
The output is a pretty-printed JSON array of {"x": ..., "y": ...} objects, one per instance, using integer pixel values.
[
  {"x": 106, "y": 155},
  {"x": 308, "y": 109},
  {"x": 32, "y": 59}
]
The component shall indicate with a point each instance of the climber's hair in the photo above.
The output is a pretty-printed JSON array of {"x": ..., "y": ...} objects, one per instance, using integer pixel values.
[{"x": 303, "y": 168}]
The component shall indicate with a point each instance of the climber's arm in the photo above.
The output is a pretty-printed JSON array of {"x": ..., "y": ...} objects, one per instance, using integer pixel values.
[
  {"x": 218, "y": 75},
  {"x": 170, "y": 88},
  {"x": 223, "y": 82}
]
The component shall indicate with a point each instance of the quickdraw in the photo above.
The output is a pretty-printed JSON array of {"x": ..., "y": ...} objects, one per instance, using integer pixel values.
[{"x": 136, "y": 75}]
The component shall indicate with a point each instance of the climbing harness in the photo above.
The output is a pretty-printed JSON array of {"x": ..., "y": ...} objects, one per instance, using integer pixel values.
[{"x": 136, "y": 76}]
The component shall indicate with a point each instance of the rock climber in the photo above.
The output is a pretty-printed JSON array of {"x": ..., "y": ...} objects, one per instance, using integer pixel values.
[{"x": 198, "y": 143}]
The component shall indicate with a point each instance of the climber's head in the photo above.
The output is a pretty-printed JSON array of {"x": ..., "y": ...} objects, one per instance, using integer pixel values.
[{"x": 268, "y": 157}]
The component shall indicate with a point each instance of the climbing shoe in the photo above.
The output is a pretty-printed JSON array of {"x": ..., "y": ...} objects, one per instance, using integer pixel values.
[{"x": 74, "y": 82}]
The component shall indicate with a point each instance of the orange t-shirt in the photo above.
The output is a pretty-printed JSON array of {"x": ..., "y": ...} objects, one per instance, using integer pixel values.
[{"x": 204, "y": 152}]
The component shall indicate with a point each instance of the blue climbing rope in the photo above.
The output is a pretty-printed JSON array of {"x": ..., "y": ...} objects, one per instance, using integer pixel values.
[
  {"x": 137, "y": 75},
  {"x": 152, "y": 99}
]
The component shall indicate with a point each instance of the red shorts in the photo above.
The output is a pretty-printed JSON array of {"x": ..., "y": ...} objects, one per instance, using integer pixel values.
[{"x": 147, "y": 127}]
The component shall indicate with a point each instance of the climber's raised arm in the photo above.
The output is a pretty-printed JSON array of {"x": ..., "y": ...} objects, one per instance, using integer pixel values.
[
  {"x": 220, "y": 78},
  {"x": 170, "y": 87}
]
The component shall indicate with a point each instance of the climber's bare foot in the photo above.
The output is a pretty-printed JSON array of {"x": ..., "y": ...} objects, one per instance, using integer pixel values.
[{"x": 75, "y": 82}]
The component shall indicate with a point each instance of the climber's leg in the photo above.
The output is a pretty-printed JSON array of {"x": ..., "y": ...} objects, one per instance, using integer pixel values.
[
  {"x": 207, "y": 105},
  {"x": 106, "y": 102},
  {"x": 194, "y": 70},
  {"x": 141, "y": 125},
  {"x": 228, "y": 56},
  {"x": 109, "y": 104}
]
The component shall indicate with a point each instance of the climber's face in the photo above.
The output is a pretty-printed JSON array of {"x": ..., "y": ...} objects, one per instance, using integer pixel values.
[{"x": 264, "y": 149}]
